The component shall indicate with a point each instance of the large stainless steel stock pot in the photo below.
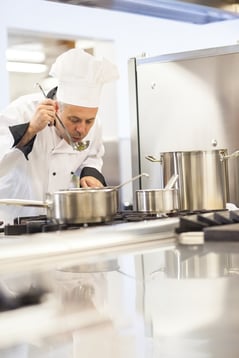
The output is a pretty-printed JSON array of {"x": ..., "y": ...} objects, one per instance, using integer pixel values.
[{"x": 202, "y": 177}]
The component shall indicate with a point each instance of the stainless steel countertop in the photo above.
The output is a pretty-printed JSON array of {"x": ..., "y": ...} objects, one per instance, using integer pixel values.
[
  {"x": 35, "y": 251},
  {"x": 135, "y": 294}
]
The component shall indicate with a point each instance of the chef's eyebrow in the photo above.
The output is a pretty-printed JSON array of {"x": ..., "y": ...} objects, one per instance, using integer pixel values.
[{"x": 81, "y": 119}]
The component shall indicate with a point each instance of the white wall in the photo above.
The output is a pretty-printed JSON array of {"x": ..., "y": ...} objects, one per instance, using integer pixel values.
[{"x": 132, "y": 35}]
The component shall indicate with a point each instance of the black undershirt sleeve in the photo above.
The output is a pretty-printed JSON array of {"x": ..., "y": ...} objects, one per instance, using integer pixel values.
[
  {"x": 93, "y": 172},
  {"x": 18, "y": 132}
]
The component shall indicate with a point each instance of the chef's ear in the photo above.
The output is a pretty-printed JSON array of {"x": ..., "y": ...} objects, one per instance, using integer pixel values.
[
  {"x": 56, "y": 106},
  {"x": 59, "y": 106}
]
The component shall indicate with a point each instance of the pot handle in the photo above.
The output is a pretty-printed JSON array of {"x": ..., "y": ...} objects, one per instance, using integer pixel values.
[
  {"x": 223, "y": 156},
  {"x": 23, "y": 202},
  {"x": 151, "y": 158}
]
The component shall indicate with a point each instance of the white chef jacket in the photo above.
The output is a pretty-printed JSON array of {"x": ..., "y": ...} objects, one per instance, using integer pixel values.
[{"x": 50, "y": 165}]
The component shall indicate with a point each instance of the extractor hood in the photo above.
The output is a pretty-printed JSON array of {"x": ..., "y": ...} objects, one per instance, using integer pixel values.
[{"x": 193, "y": 11}]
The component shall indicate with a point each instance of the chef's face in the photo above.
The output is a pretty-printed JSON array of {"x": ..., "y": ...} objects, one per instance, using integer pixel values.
[{"x": 77, "y": 120}]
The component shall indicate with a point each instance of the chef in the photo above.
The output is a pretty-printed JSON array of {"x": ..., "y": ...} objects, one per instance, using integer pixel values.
[{"x": 41, "y": 134}]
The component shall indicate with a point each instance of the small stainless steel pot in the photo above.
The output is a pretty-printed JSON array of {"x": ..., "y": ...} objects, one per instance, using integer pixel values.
[{"x": 157, "y": 201}]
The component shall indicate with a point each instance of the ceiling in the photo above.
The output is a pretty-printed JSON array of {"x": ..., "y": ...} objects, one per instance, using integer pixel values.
[{"x": 193, "y": 11}]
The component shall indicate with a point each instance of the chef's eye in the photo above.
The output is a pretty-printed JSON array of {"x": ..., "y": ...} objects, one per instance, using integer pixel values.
[{"x": 90, "y": 121}]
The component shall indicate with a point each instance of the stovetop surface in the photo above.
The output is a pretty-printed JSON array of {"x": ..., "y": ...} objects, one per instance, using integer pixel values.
[
  {"x": 208, "y": 222},
  {"x": 36, "y": 224},
  {"x": 215, "y": 225}
]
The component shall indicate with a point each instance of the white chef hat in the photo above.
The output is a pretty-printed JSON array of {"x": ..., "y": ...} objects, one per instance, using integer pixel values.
[{"x": 81, "y": 77}]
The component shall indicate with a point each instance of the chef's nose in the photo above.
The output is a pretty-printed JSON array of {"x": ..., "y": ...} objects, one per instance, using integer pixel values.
[{"x": 81, "y": 128}]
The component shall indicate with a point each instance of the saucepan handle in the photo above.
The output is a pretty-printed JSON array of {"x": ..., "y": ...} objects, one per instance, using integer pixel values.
[{"x": 23, "y": 202}]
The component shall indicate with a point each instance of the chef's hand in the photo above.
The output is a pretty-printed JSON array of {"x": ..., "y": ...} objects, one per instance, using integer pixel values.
[
  {"x": 91, "y": 182},
  {"x": 44, "y": 115}
]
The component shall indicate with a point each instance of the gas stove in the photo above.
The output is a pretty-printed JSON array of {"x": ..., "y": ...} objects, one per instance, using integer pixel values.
[
  {"x": 214, "y": 225},
  {"x": 36, "y": 224}
]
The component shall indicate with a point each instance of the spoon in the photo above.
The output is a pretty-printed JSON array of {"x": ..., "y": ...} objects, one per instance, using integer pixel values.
[{"x": 79, "y": 146}]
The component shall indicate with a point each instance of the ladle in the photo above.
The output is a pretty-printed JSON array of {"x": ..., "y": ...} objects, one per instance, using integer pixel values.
[
  {"x": 79, "y": 146},
  {"x": 131, "y": 180}
]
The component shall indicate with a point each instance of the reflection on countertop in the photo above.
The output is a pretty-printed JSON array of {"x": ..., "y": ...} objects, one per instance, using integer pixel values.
[{"x": 140, "y": 296}]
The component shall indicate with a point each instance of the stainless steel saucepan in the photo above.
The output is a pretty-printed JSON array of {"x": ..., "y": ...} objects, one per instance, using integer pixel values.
[
  {"x": 158, "y": 201},
  {"x": 80, "y": 205}
]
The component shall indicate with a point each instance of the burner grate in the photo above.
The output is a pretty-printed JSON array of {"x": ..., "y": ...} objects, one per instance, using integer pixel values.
[
  {"x": 134, "y": 216},
  {"x": 216, "y": 225},
  {"x": 35, "y": 224}
]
